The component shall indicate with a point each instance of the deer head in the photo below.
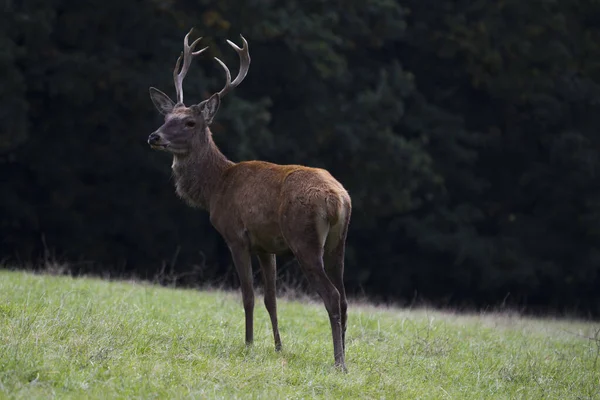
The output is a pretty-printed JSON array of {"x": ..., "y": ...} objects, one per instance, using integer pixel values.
[{"x": 186, "y": 127}]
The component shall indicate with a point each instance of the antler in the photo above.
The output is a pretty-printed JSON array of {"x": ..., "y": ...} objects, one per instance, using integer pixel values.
[
  {"x": 244, "y": 65},
  {"x": 187, "y": 54}
]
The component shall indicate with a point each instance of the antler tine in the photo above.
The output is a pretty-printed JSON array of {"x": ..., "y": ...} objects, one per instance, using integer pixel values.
[
  {"x": 244, "y": 56},
  {"x": 176, "y": 76},
  {"x": 195, "y": 53},
  {"x": 187, "y": 54},
  {"x": 227, "y": 77}
]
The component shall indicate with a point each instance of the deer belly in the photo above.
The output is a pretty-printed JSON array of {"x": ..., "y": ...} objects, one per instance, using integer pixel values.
[{"x": 274, "y": 244}]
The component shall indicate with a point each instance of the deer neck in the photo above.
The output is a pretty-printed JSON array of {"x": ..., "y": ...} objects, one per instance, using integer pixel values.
[{"x": 198, "y": 173}]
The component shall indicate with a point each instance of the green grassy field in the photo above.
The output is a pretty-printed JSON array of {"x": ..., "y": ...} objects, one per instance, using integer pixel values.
[{"x": 87, "y": 338}]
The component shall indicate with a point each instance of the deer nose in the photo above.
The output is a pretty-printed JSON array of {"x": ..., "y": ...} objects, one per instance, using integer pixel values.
[{"x": 153, "y": 138}]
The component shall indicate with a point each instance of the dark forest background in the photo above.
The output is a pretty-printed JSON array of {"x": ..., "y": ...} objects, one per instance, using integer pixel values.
[{"x": 467, "y": 133}]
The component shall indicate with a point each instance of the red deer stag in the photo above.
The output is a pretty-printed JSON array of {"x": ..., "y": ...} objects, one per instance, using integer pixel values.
[{"x": 258, "y": 207}]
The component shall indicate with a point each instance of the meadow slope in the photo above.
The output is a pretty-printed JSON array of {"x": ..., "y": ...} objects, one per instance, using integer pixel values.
[{"x": 88, "y": 338}]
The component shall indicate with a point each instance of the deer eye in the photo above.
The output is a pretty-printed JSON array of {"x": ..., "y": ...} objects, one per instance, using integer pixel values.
[{"x": 190, "y": 123}]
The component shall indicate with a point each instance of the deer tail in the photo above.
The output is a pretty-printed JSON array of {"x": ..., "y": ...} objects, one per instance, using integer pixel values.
[{"x": 336, "y": 207}]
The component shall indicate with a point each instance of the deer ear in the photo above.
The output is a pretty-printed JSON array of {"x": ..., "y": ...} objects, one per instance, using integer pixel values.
[
  {"x": 161, "y": 101},
  {"x": 208, "y": 108}
]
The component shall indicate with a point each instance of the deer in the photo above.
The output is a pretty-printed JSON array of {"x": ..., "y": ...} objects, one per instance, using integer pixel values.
[{"x": 259, "y": 208}]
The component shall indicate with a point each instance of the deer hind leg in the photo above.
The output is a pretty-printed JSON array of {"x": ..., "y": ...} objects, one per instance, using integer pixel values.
[
  {"x": 335, "y": 248},
  {"x": 306, "y": 241},
  {"x": 268, "y": 266},
  {"x": 334, "y": 267},
  {"x": 243, "y": 266},
  {"x": 311, "y": 261}
]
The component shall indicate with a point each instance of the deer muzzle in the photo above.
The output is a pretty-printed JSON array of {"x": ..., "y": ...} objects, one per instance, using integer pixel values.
[{"x": 155, "y": 141}]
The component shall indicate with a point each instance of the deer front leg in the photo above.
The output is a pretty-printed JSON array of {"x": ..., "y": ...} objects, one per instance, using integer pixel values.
[
  {"x": 268, "y": 266},
  {"x": 243, "y": 266}
]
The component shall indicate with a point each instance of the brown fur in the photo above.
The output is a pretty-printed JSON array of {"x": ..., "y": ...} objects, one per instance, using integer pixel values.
[{"x": 263, "y": 209}]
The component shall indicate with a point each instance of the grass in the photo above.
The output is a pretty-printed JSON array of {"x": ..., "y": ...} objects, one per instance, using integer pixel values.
[{"x": 87, "y": 338}]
